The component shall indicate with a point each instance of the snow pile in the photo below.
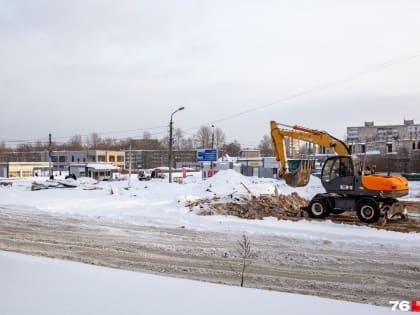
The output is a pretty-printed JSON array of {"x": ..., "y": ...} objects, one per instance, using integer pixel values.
[
  {"x": 160, "y": 203},
  {"x": 43, "y": 286}
]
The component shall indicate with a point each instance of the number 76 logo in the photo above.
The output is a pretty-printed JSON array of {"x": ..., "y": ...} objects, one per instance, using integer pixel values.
[{"x": 405, "y": 306}]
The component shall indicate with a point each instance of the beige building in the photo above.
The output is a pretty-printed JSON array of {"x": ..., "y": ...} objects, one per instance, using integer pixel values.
[
  {"x": 24, "y": 169},
  {"x": 245, "y": 154},
  {"x": 116, "y": 158}
]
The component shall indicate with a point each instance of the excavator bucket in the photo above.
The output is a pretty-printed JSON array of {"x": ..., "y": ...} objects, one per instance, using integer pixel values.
[{"x": 299, "y": 177}]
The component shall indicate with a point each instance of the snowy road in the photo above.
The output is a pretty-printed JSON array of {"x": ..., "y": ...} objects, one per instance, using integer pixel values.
[{"x": 367, "y": 273}]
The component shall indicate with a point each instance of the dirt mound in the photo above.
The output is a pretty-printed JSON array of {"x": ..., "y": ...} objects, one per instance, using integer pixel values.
[
  {"x": 253, "y": 207},
  {"x": 258, "y": 207},
  {"x": 288, "y": 207}
]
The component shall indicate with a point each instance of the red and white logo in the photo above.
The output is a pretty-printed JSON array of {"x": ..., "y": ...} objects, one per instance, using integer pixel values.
[
  {"x": 405, "y": 306},
  {"x": 415, "y": 306}
]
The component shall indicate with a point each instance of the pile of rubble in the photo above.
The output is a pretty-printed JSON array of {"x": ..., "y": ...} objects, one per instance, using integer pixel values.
[
  {"x": 252, "y": 206},
  {"x": 289, "y": 207}
]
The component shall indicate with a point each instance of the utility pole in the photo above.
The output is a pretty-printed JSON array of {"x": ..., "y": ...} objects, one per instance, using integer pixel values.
[
  {"x": 50, "y": 156},
  {"x": 212, "y": 137},
  {"x": 170, "y": 150},
  {"x": 170, "y": 143},
  {"x": 129, "y": 168}
]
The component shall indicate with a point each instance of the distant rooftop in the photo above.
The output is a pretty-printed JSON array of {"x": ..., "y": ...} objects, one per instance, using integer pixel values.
[{"x": 407, "y": 122}]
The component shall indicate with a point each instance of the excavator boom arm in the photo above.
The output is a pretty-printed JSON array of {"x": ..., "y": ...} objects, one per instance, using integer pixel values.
[{"x": 304, "y": 134}]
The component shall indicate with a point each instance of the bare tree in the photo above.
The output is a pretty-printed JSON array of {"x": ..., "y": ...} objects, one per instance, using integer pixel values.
[
  {"x": 266, "y": 146},
  {"x": 178, "y": 137},
  {"x": 24, "y": 147},
  {"x": 147, "y": 135},
  {"x": 75, "y": 143},
  {"x": 307, "y": 149},
  {"x": 165, "y": 142},
  {"x": 39, "y": 146},
  {"x": 232, "y": 148},
  {"x": 245, "y": 252},
  {"x": 109, "y": 144},
  {"x": 203, "y": 137},
  {"x": 187, "y": 144},
  {"x": 94, "y": 141},
  {"x": 219, "y": 138}
]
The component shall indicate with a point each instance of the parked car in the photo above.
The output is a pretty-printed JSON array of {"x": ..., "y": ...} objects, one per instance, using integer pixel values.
[
  {"x": 149, "y": 174},
  {"x": 144, "y": 175}
]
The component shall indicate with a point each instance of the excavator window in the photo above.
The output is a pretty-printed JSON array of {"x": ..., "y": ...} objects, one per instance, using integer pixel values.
[
  {"x": 337, "y": 167},
  {"x": 330, "y": 170},
  {"x": 345, "y": 168}
]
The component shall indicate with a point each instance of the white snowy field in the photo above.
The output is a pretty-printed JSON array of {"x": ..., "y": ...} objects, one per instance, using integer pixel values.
[
  {"x": 159, "y": 203},
  {"x": 43, "y": 286}
]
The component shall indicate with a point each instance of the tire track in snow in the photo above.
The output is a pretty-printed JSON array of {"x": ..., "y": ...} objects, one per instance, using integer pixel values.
[{"x": 370, "y": 274}]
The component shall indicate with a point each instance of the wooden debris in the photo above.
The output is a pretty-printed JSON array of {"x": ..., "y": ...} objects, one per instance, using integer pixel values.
[
  {"x": 258, "y": 207},
  {"x": 247, "y": 189},
  {"x": 280, "y": 206},
  {"x": 288, "y": 207}
]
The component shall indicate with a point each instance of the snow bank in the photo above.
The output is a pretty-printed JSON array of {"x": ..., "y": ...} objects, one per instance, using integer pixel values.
[
  {"x": 158, "y": 203},
  {"x": 43, "y": 286}
]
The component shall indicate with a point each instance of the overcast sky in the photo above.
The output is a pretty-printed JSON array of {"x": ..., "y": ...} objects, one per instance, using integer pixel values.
[{"x": 82, "y": 66}]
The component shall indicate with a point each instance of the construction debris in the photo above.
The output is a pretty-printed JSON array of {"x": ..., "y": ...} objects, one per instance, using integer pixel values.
[
  {"x": 282, "y": 206},
  {"x": 286, "y": 207},
  {"x": 252, "y": 206}
]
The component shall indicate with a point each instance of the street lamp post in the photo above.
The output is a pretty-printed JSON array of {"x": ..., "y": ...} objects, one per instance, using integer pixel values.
[
  {"x": 212, "y": 137},
  {"x": 170, "y": 143},
  {"x": 212, "y": 147}
]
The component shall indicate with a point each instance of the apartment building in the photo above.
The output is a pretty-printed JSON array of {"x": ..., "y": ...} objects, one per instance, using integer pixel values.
[{"x": 384, "y": 139}]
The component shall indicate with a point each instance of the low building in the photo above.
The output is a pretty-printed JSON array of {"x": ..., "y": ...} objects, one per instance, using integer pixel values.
[
  {"x": 249, "y": 154},
  {"x": 116, "y": 158},
  {"x": 98, "y": 171},
  {"x": 3, "y": 169},
  {"x": 259, "y": 166},
  {"x": 61, "y": 159},
  {"x": 34, "y": 156},
  {"x": 24, "y": 169},
  {"x": 147, "y": 159}
]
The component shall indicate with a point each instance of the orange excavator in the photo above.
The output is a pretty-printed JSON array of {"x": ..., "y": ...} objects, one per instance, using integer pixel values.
[{"x": 348, "y": 184}]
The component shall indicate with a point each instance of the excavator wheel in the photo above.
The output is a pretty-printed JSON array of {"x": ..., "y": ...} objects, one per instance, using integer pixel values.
[
  {"x": 368, "y": 210},
  {"x": 318, "y": 209}
]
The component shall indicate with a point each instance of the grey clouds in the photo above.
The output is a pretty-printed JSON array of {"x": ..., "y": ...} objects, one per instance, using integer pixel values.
[{"x": 75, "y": 67}]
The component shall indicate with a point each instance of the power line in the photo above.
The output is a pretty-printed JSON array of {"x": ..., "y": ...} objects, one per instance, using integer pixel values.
[
  {"x": 322, "y": 86},
  {"x": 34, "y": 141}
]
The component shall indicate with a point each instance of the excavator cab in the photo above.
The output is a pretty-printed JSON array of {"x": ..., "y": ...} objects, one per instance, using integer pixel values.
[{"x": 338, "y": 174}]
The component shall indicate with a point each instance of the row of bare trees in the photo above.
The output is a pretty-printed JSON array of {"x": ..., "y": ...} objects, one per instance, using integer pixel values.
[{"x": 205, "y": 137}]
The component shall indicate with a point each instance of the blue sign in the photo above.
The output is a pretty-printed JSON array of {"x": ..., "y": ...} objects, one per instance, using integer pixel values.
[{"x": 207, "y": 155}]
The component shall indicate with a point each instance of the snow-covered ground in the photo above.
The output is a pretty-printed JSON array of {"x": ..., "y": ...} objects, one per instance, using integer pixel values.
[
  {"x": 159, "y": 203},
  {"x": 43, "y": 286}
]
